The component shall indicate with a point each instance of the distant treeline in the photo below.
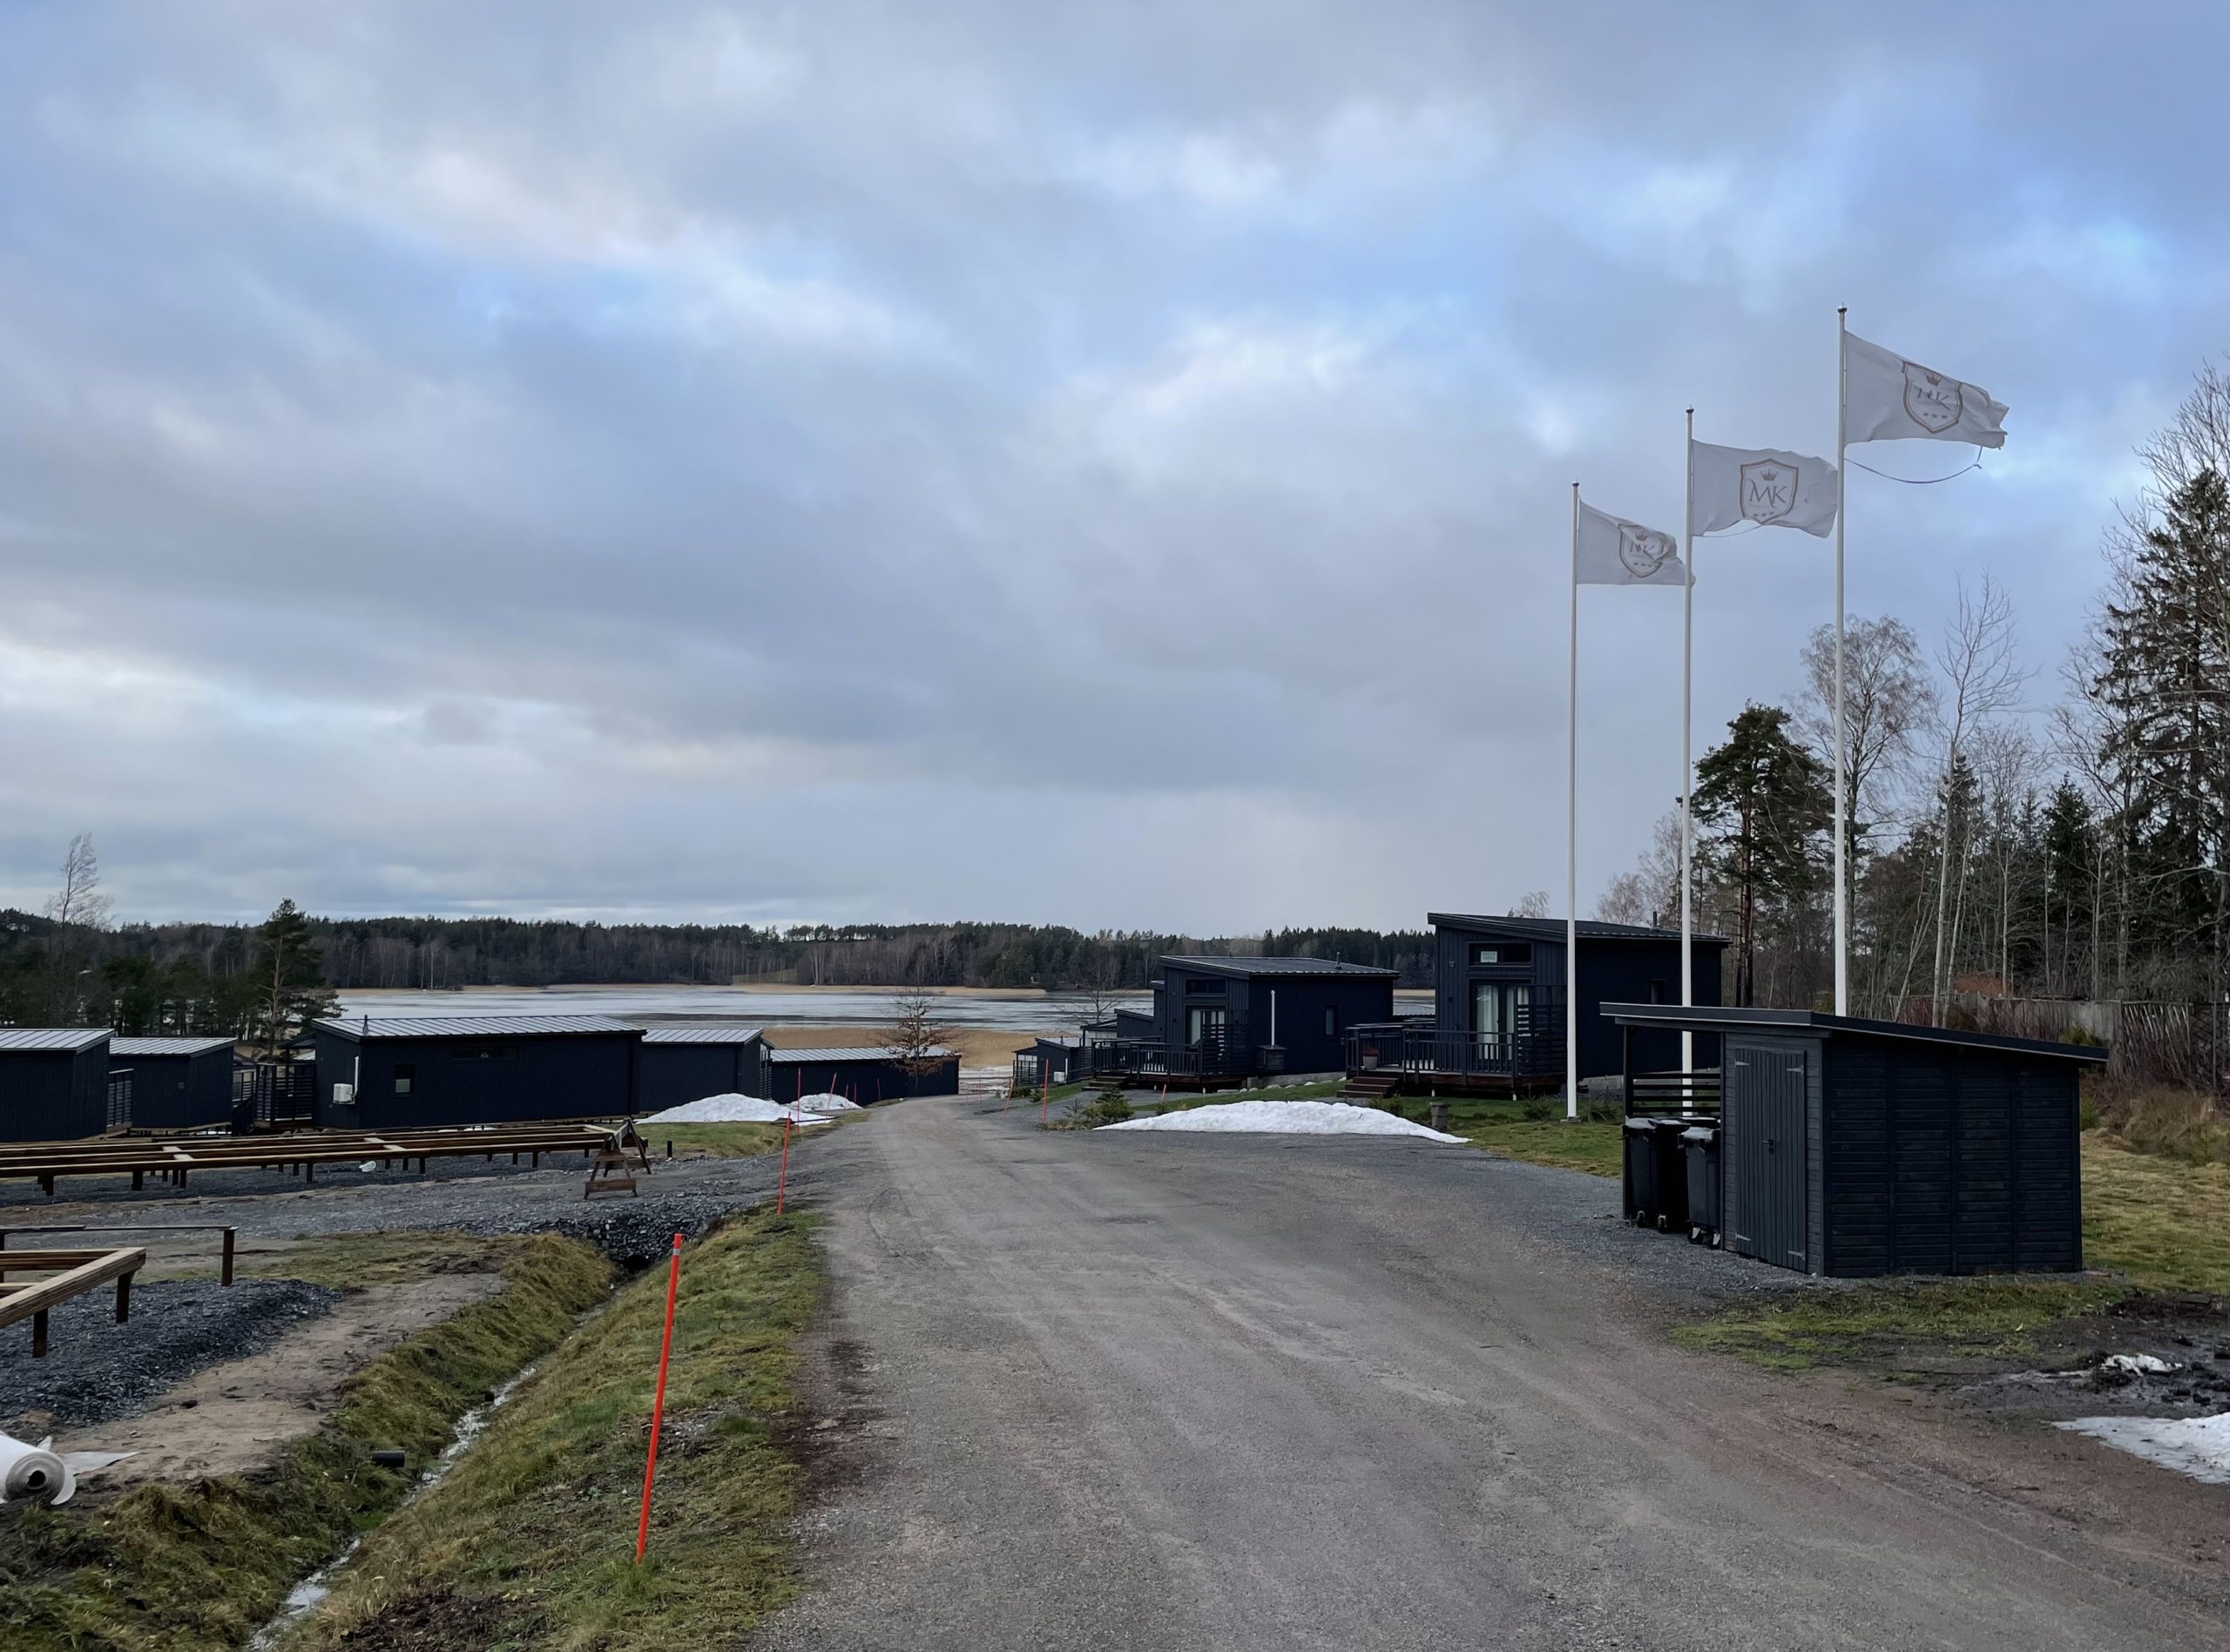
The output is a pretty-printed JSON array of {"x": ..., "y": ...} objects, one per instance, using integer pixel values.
[{"x": 195, "y": 976}]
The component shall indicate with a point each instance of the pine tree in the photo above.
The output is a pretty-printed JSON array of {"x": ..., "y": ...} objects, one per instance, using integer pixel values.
[
  {"x": 291, "y": 991},
  {"x": 1764, "y": 803}
]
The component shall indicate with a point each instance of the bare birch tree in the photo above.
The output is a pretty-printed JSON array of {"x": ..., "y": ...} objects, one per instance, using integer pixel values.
[{"x": 1983, "y": 680}]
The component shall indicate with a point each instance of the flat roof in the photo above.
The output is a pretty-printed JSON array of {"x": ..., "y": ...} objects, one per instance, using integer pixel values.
[
  {"x": 473, "y": 1026},
  {"x": 1553, "y": 929},
  {"x": 701, "y": 1034},
  {"x": 1300, "y": 967},
  {"x": 163, "y": 1044},
  {"x": 1706, "y": 1018},
  {"x": 851, "y": 1053},
  {"x": 59, "y": 1040}
]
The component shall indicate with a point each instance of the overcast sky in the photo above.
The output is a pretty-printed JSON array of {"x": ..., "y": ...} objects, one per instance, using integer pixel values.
[{"x": 1105, "y": 465}]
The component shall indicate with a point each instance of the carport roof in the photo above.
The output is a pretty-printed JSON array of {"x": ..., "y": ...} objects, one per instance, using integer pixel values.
[
  {"x": 67, "y": 1040},
  {"x": 1705, "y": 1018},
  {"x": 470, "y": 1026}
]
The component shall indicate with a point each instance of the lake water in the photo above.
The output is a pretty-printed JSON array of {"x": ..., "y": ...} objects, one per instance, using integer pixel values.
[{"x": 1021, "y": 1012}]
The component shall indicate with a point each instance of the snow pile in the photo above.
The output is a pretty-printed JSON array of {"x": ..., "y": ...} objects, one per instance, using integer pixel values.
[
  {"x": 2199, "y": 1447},
  {"x": 1286, "y": 1118},
  {"x": 827, "y": 1102},
  {"x": 733, "y": 1108}
]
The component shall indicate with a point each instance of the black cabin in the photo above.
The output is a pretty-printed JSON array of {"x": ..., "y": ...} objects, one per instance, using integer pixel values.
[
  {"x": 176, "y": 1083},
  {"x": 395, "y": 1073},
  {"x": 1853, "y": 1148},
  {"x": 687, "y": 1063},
  {"x": 863, "y": 1075},
  {"x": 1240, "y": 1016},
  {"x": 53, "y": 1082}
]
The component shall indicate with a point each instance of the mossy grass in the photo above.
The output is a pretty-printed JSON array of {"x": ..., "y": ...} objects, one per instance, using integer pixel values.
[
  {"x": 2163, "y": 1223},
  {"x": 717, "y": 1140},
  {"x": 180, "y": 1568},
  {"x": 529, "y": 1541},
  {"x": 1889, "y": 1324}
]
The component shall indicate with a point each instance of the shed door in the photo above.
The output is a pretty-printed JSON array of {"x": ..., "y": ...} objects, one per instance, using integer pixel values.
[{"x": 1766, "y": 1093}]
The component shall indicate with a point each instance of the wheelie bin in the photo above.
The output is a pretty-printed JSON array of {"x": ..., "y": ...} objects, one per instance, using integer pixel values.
[
  {"x": 1670, "y": 1210},
  {"x": 1640, "y": 1138},
  {"x": 1700, "y": 1143}
]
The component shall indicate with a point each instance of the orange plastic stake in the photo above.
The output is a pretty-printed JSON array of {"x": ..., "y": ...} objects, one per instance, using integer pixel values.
[
  {"x": 657, "y": 1402},
  {"x": 782, "y": 1182}
]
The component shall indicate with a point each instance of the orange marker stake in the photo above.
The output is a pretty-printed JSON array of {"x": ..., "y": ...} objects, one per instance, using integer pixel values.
[
  {"x": 782, "y": 1182},
  {"x": 657, "y": 1403}
]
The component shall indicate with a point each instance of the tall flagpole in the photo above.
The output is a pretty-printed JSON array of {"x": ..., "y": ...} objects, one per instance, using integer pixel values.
[
  {"x": 1571, "y": 838},
  {"x": 1687, "y": 825},
  {"x": 1842, "y": 829}
]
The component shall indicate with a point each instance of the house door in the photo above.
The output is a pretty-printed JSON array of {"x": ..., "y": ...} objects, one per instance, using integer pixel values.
[
  {"x": 1203, "y": 1025},
  {"x": 1501, "y": 1012},
  {"x": 1766, "y": 1091}
]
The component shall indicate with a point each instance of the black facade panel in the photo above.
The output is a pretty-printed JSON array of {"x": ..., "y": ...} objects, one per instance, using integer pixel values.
[
  {"x": 1308, "y": 1022},
  {"x": 180, "y": 1092},
  {"x": 867, "y": 1080},
  {"x": 438, "y": 1081},
  {"x": 673, "y": 1074},
  {"x": 53, "y": 1095}
]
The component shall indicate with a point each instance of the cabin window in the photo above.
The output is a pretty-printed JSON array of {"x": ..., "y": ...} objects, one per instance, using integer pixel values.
[
  {"x": 1659, "y": 994},
  {"x": 1331, "y": 1023},
  {"x": 1503, "y": 952},
  {"x": 1197, "y": 985},
  {"x": 405, "y": 1075},
  {"x": 1202, "y": 1023},
  {"x": 483, "y": 1050}
]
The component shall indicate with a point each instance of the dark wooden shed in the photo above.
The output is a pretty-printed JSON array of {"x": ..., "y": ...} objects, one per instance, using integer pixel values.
[
  {"x": 1853, "y": 1148},
  {"x": 380, "y": 1073},
  {"x": 687, "y": 1063},
  {"x": 53, "y": 1082},
  {"x": 863, "y": 1075},
  {"x": 178, "y": 1083}
]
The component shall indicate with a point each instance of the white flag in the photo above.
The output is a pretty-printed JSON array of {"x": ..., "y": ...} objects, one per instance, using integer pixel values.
[
  {"x": 1764, "y": 485},
  {"x": 1612, "y": 551},
  {"x": 1886, "y": 397}
]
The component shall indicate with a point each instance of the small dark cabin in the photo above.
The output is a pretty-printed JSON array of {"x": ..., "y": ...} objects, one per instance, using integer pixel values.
[
  {"x": 1246, "y": 1016},
  {"x": 178, "y": 1083},
  {"x": 687, "y": 1063},
  {"x": 426, "y": 1072},
  {"x": 862, "y": 1074},
  {"x": 1498, "y": 992},
  {"x": 53, "y": 1082},
  {"x": 1853, "y": 1148}
]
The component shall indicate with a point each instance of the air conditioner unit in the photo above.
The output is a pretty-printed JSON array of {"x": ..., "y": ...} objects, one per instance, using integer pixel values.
[{"x": 344, "y": 1095}]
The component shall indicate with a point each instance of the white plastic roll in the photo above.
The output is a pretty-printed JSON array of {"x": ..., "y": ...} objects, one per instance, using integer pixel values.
[{"x": 33, "y": 1473}]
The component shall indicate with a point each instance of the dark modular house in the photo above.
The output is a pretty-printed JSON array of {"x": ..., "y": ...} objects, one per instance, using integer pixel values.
[
  {"x": 53, "y": 1082},
  {"x": 861, "y": 1074},
  {"x": 1499, "y": 1006},
  {"x": 424, "y": 1072},
  {"x": 178, "y": 1083},
  {"x": 1233, "y": 1018},
  {"x": 1853, "y": 1148},
  {"x": 687, "y": 1063}
]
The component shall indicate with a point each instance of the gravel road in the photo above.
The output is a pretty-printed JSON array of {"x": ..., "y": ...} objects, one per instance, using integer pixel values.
[{"x": 1141, "y": 1390}]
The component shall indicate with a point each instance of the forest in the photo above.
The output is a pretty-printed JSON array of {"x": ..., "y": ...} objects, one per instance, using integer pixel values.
[{"x": 2015, "y": 834}]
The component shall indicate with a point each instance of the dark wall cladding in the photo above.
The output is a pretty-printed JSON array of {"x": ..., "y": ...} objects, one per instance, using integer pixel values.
[
  {"x": 1950, "y": 1162},
  {"x": 53, "y": 1095}
]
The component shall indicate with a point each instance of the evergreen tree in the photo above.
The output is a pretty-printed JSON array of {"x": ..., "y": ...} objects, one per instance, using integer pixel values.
[
  {"x": 291, "y": 991},
  {"x": 1763, "y": 801}
]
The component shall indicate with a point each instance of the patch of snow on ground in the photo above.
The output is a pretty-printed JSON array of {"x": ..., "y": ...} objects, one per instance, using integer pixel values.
[
  {"x": 827, "y": 1102},
  {"x": 2199, "y": 1447},
  {"x": 2137, "y": 1365},
  {"x": 1286, "y": 1118},
  {"x": 734, "y": 1109}
]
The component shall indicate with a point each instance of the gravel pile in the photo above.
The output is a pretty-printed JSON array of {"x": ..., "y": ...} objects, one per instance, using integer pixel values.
[{"x": 96, "y": 1370}]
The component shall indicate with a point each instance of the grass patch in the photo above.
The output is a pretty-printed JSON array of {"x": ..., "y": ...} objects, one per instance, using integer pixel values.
[
  {"x": 530, "y": 1543},
  {"x": 1993, "y": 1317},
  {"x": 1582, "y": 1144},
  {"x": 179, "y": 1569},
  {"x": 2163, "y": 1223},
  {"x": 717, "y": 1140},
  {"x": 346, "y": 1261}
]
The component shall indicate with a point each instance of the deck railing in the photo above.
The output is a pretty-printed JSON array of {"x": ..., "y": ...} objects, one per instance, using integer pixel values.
[{"x": 1537, "y": 1052}]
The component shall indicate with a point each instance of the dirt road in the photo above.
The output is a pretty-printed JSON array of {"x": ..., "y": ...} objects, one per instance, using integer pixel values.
[{"x": 1150, "y": 1390}]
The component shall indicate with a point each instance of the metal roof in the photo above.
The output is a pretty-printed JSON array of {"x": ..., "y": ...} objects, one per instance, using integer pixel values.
[
  {"x": 1553, "y": 929},
  {"x": 1709, "y": 1018},
  {"x": 702, "y": 1035},
  {"x": 470, "y": 1026},
  {"x": 166, "y": 1045},
  {"x": 1305, "y": 967},
  {"x": 850, "y": 1052},
  {"x": 64, "y": 1039}
]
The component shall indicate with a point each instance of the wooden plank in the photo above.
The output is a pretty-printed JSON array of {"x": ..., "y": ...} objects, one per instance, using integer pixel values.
[{"x": 23, "y": 1304}]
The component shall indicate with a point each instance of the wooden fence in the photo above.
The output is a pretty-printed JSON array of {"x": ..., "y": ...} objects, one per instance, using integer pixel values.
[{"x": 2175, "y": 1043}]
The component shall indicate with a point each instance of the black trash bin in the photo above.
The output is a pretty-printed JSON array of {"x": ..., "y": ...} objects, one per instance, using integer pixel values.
[
  {"x": 1670, "y": 1210},
  {"x": 1640, "y": 1138},
  {"x": 1700, "y": 1142}
]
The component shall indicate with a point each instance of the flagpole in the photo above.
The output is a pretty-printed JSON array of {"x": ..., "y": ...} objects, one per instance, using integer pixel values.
[
  {"x": 1687, "y": 829},
  {"x": 1571, "y": 837},
  {"x": 1843, "y": 829}
]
